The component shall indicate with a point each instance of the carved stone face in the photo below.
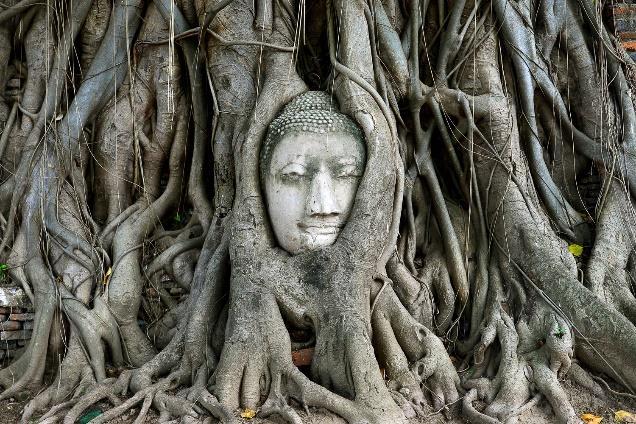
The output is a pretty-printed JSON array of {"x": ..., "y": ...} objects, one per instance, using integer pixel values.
[{"x": 310, "y": 186}]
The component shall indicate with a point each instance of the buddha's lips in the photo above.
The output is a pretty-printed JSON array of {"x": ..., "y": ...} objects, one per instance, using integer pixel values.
[{"x": 321, "y": 228}]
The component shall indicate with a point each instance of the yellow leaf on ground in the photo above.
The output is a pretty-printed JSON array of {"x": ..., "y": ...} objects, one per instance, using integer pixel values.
[
  {"x": 624, "y": 417},
  {"x": 576, "y": 250},
  {"x": 591, "y": 419},
  {"x": 248, "y": 413}
]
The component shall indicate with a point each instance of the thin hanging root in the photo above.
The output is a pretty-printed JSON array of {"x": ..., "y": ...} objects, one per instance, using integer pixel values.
[{"x": 424, "y": 162}]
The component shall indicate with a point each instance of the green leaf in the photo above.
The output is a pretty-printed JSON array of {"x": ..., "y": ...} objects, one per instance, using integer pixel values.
[
  {"x": 560, "y": 332},
  {"x": 575, "y": 249},
  {"x": 88, "y": 417}
]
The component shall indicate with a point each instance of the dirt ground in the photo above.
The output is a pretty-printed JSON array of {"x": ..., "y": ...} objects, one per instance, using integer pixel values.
[{"x": 582, "y": 400}]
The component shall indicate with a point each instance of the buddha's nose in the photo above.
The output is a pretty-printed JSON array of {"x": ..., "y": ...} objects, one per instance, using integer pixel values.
[{"x": 322, "y": 198}]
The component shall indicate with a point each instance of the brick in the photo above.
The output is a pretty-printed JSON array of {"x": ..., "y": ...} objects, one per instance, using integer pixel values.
[
  {"x": 27, "y": 325},
  {"x": 22, "y": 317},
  {"x": 624, "y": 25},
  {"x": 10, "y": 325},
  {"x": 623, "y": 10},
  {"x": 7, "y": 310},
  {"x": 627, "y": 35},
  {"x": 15, "y": 335},
  {"x": 8, "y": 344},
  {"x": 303, "y": 357}
]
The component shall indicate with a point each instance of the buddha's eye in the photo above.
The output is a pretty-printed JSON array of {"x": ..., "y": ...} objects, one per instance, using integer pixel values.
[
  {"x": 293, "y": 172},
  {"x": 349, "y": 171}
]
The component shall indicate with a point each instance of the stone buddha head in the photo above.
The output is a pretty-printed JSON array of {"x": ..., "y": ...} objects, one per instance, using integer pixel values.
[{"x": 310, "y": 166}]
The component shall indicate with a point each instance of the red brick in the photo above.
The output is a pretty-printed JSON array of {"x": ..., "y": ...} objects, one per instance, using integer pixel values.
[
  {"x": 620, "y": 10},
  {"x": 627, "y": 35},
  {"x": 10, "y": 325},
  {"x": 303, "y": 356}
]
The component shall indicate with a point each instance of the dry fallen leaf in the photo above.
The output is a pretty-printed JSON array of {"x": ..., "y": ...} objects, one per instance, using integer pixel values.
[
  {"x": 624, "y": 417},
  {"x": 591, "y": 419},
  {"x": 248, "y": 413}
]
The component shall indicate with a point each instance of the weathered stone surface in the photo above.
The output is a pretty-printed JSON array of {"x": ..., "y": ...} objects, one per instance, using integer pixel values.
[
  {"x": 13, "y": 297},
  {"x": 15, "y": 335}
]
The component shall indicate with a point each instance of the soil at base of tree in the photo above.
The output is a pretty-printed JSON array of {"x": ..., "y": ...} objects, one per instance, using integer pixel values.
[{"x": 582, "y": 400}]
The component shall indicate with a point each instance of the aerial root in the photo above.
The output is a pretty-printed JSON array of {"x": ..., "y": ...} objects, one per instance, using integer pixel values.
[
  {"x": 470, "y": 412},
  {"x": 74, "y": 378},
  {"x": 276, "y": 404},
  {"x": 533, "y": 355},
  {"x": 106, "y": 389},
  {"x": 168, "y": 405},
  {"x": 406, "y": 341},
  {"x": 214, "y": 407},
  {"x": 68, "y": 240}
]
